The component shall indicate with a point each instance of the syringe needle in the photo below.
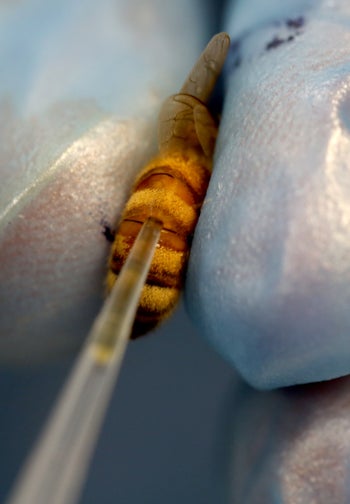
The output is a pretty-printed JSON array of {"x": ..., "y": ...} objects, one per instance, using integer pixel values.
[{"x": 54, "y": 473}]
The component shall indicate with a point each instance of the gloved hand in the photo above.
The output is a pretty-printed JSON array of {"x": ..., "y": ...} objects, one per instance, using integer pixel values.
[{"x": 269, "y": 274}]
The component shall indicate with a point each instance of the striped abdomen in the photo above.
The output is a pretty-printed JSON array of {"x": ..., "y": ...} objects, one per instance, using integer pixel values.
[{"x": 171, "y": 188}]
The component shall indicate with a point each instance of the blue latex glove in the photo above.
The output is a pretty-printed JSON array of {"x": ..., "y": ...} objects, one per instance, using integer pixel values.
[{"x": 269, "y": 275}]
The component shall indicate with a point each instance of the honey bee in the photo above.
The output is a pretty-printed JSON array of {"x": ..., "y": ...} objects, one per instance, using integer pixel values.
[{"x": 171, "y": 188}]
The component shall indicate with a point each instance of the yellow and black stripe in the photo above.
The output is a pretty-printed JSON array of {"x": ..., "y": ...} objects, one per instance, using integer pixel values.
[{"x": 170, "y": 188}]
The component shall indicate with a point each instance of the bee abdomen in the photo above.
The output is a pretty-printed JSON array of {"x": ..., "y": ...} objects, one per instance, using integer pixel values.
[
  {"x": 164, "y": 282},
  {"x": 166, "y": 267},
  {"x": 156, "y": 304},
  {"x": 169, "y": 192},
  {"x": 188, "y": 167}
]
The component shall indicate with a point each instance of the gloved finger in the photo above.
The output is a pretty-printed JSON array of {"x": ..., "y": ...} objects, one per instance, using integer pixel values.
[
  {"x": 290, "y": 446},
  {"x": 81, "y": 80},
  {"x": 269, "y": 275}
]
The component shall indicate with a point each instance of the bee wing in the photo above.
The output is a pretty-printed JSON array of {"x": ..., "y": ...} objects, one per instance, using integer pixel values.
[
  {"x": 203, "y": 76},
  {"x": 166, "y": 120},
  {"x": 206, "y": 129}
]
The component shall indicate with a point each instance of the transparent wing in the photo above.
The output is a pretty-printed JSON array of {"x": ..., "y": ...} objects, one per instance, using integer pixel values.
[{"x": 203, "y": 76}]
